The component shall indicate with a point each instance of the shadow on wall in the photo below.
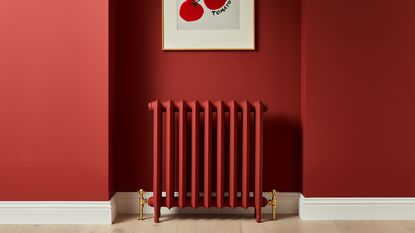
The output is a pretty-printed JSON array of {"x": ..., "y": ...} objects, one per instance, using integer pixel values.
[
  {"x": 145, "y": 73},
  {"x": 282, "y": 154}
]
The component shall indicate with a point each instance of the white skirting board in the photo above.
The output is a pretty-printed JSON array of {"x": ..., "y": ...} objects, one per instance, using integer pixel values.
[
  {"x": 127, "y": 203},
  {"x": 357, "y": 208},
  {"x": 104, "y": 212},
  {"x": 57, "y": 212}
]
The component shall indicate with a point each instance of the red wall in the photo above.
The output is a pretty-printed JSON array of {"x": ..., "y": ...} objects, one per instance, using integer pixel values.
[
  {"x": 145, "y": 73},
  {"x": 54, "y": 100},
  {"x": 357, "y": 95},
  {"x": 358, "y": 98}
]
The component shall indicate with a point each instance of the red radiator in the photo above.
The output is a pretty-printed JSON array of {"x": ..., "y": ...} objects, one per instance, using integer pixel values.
[{"x": 207, "y": 145}]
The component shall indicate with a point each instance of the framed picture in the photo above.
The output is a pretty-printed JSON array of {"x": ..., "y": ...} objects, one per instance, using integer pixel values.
[{"x": 208, "y": 24}]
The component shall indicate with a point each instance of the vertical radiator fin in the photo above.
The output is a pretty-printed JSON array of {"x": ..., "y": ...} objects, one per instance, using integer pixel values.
[
  {"x": 182, "y": 153},
  {"x": 258, "y": 160},
  {"x": 220, "y": 169},
  {"x": 245, "y": 153},
  {"x": 195, "y": 153},
  {"x": 157, "y": 150},
  {"x": 233, "y": 161},
  {"x": 169, "y": 154},
  {"x": 208, "y": 155}
]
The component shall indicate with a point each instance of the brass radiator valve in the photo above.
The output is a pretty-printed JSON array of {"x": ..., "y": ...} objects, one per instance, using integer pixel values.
[
  {"x": 141, "y": 202},
  {"x": 273, "y": 203}
]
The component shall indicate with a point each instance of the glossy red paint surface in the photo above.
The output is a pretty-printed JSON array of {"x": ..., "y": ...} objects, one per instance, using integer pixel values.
[
  {"x": 207, "y": 155},
  {"x": 195, "y": 151},
  {"x": 170, "y": 154},
  {"x": 182, "y": 154},
  {"x": 259, "y": 158},
  {"x": 240, "y": 117},
  {"x": 246, "y": 149},
  {"x": 54, "y": 100},
  {"x": 188, "y": 204},
  {"x": 233, "y": 153},
  {"x": 358, "y": 98},
  {"x": 220, "y": 153},
  {"x": 157, "y": 158}
]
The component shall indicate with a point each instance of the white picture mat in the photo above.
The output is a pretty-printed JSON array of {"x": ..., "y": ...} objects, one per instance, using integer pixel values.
[{"x": 242, "y": 39}]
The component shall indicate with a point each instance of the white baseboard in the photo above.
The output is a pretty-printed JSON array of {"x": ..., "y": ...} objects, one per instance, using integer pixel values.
[
  {"x": 104, "y": 212},
  {"x": 357, "y": 208},
  {"x": 57, "y": 212},
  {"x": 127, "y": 203},
  {"x": 114, "y": 208}
]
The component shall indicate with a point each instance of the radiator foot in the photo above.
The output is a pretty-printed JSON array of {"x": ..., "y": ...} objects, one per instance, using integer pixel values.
[
  {"x": 141, "y": 202},
  {"x": 273, "y": 203}
]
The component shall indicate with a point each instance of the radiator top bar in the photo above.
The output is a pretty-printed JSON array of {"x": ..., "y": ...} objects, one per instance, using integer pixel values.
[{"x": 226, "y": 104}]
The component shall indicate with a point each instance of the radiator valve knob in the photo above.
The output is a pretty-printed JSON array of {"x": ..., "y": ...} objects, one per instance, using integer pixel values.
[
  {"x": 141, "y": 202},
  {"x": 273, "y": 203}
]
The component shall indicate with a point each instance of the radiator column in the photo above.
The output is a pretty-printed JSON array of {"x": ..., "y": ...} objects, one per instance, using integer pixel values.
[
  {"x": 182, "y": 153},
  {"x": 246, "y": 109},
  {"x": 220, "y": 162},
  {"x": 157, "y": 150},
  {"x": 195, "y": 153},
  {"x": 258, "y": 159},
  {"x": 208, "y": 155},
  {"x": 169, "y": 154},
  {"x": 233, "y": 160}
]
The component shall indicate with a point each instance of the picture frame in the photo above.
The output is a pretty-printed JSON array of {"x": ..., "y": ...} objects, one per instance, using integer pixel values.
[{"x": 208, "y": 24}]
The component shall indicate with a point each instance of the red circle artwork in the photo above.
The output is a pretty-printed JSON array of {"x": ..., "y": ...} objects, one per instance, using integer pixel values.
[
  {"x": 191, "y": 10},
  {"x": 214, "y": 4},
  {"x": 208, "y": 14}
]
